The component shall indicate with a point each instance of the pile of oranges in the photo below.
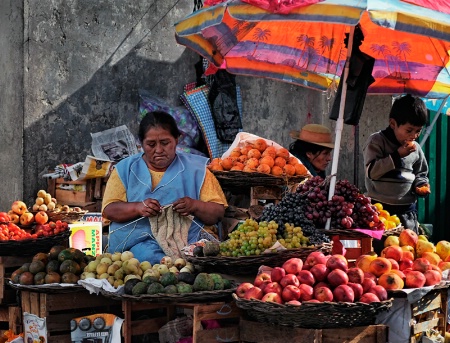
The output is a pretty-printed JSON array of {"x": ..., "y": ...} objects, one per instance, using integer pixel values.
[
  {"x": 390, "y": 221},
  {"x": 262, "y": 158}
]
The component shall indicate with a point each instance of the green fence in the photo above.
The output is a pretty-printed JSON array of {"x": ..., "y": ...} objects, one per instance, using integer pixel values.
[{"x": 435, "y": 209}]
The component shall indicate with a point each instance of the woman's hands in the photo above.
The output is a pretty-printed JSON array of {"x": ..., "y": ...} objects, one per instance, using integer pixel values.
[
  {"x": 149, "y": 208},
  {"x": 185, "y": 206}
]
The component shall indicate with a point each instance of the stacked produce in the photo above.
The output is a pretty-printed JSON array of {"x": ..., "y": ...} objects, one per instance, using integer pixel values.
[
  {"x": 320, "y": 278},
  {"x": 262, "y": 158},
  {"x": 348, "y": 208},
  {"x": 59, "y": 265}
]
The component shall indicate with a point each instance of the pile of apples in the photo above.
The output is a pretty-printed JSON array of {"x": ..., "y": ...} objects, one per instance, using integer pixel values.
[
  {"x": 320, "y": 278},
  {"x": 407, "y": 261}
]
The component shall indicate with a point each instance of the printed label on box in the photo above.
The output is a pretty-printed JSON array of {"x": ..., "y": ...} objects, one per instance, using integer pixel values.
[
  {"x": 87, "y": 237},
  {"x": 92, "y": 217},
  {"x": 35, "y": 328},
  {"x": 96, "y": 328}
]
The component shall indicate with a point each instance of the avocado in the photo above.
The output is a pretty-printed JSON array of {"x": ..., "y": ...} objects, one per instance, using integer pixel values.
[
  {"x": 69, "y": 278},
  {"x": 52, "y": 266},
  {"x": 155, "y": 288},
  {"x": 184, "y": 287},
  {"x": 54, "y": 251},
  {"x": 226, "y": 283},
  {"x": 198, "y": 251},
  {"x": 170, "y": 289},
  {"x": 70, "y": 266},
  {"x": 139, "y": 288},
  {"x": 218, "y": 281},
  {"x": 128, "y": 288},
  {"x": 211, "y": 249},
  {"x": 203, "y": 282},
  {"x": 186, "y": 277},
  {"x": 39, "y": 278},
  {"x": 168, "y": 279},
  {"x": 150, "y": 279},
  {"x": 36, "y": 267}
]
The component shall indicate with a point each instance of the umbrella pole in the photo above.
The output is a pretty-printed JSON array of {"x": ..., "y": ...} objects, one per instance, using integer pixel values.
[
  {"x": 340, "y": 122},
  {"x": 430, "y": 128}
]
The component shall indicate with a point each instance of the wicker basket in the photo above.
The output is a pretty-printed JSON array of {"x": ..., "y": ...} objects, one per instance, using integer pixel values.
[
  {"x": 50, "y": 288},
  {"x": 343, "y": 232},
  {"x": 68, "y": 217},
  {"x": 194, "y": 297},
  {"x": 314, "y": 315},
  {"x": 248, "y": 265},
  {"x": 244, "y": 179},
  {"x": 393, "y": 232},
  {"x": 27, "y": 247}
]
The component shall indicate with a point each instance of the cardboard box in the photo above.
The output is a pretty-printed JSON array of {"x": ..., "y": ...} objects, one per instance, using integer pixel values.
[
  {"x": 100, "y": 327},
  {"x": 87, "y": 237}
]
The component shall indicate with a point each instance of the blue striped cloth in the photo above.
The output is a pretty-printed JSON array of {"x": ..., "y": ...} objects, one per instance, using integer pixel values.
[{"x": 196, "y": 100}]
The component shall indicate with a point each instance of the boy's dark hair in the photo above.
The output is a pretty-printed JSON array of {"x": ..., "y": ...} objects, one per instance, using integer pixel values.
[
  {"x": 409, "y": 109},
  {"x": 158, "y": 119},
  {"x": 300, "y": 148}
]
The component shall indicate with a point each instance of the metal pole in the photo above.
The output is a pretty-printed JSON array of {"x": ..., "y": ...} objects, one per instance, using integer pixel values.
[
  {"x": 340, "y": 122},
  {"x": 430, "y": 128}
]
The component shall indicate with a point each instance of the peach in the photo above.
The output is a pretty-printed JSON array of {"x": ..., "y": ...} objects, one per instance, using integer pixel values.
[
  {"x": 227, "y": 162},
  {"x": 252, "y": 163},
  {"x": 289, "y": 169},
  {"x": 248, "y": 169},
  {"x": 242, "y": 158},
  {"x": 379, "y": 266},
  {"x": 215, "y": 167},
  {"x": 277, "y": 171},
  {"x": 267, "y": 160},
  {"x": 408, "y": 237},
  {"x": 236, "y": 152},
  {"x": 260, "y": 144},
  {"x": 254, "y": 153},
  {"x": 300, "y": 169},
  {"x": 245, "y": 149},
  {"x": 293, "y": 160},
  {"x": 284, "y": 153},
  {"x": 270, "y": 151},
  {"x": 263, "y": 168}
]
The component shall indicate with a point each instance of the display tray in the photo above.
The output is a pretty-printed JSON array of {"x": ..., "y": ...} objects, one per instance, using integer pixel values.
[
  {"x": 32, "y": 246},
  {"x": 50, "y": 288},
  {"x": 247, "y": 265},
  {"x": 314, "y": 315},
  {"x": 194, "y": 297},
  {"x": 244, "y": 179}
]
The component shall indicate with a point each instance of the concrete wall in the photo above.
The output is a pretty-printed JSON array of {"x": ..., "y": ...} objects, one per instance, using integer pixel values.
[{"x": 84, "y": 63}]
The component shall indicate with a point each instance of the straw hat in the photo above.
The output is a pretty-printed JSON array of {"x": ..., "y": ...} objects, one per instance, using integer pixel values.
[{"x": 315, "y": 134}]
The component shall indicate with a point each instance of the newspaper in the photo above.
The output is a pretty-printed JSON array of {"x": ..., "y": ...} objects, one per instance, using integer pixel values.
[
  {"x": 113, "y": 144},
  {"x": 91, "y": 168}
]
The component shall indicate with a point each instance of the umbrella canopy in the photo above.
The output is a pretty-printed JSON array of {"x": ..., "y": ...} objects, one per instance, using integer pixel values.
[{"x": 410, "y": 43}]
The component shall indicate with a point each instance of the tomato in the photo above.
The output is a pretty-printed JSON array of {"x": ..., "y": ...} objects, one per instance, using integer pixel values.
[
  {"x": 34, "y": 236},
  {"x": 4, "y": 217}
]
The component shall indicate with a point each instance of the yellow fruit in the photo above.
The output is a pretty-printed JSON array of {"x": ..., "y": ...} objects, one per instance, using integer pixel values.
[
  {"x": 395, "y": 219},
  {"x": 391, "y": 240},
  {"x": 389, "y": 225},
  {"x": 424, "y": 246},
  {"x": 378, "y": 206},
  {"x": 423, "y": 238},
  {"x": 443, "y": 249},
  {"x": 385, "y": 214}
]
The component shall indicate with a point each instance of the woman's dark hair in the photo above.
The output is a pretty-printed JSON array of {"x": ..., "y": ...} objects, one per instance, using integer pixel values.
[
  {"x": 158, "y": 119},
  {"x": 409, "y": 109},
  {"x": 300, "y": 148}
]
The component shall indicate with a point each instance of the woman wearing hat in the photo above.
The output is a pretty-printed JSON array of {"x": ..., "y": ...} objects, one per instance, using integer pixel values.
[{"x": 313, "y": 147}]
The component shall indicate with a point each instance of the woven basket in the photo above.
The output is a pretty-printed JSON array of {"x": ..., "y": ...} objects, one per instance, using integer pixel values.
[
  {"x": 346, "y": 233},
  {"x": 393, "y": 232},
  {"x": 50, "y": 288},
  {"x": 195, "y": 297},
  {"x": 27, "y": 247},
  {"x": 248, "y": 265},
  {"x": 68, "y": 217},
  {"x": 244, "y": 179},
  {"x": 314, "y": 315}
]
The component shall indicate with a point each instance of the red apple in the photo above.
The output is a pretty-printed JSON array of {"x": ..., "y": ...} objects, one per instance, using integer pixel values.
[
  {"x": 355, "y": 275},
  {"x": 293, "y": 302},
  {"x": 306, "y": 277},
  {"x": 421, "y": 264},
  {"x": 408, "y": 237},
  {"x": 321, "y": 284},
  {"x": 344, "y": 293},
  {"x": 337, "y": 277},
  {"x": 433, "y": 277},
  {"x": 253, "y": 293},
  {"x": 368, "y": 298},
  {"x": 337, "y": 262},
  {"x": 277, "y": 274},
  {"x": 307, "y": 292},
  {"x": 367, "y": 284},
  {"x": 415, "y": 279},
  {"x": 323, "y": 294},
  {"x": 394, "y": 264},
  {"x": 319, "y": 271},
  {"x": 357, "y": 289},
  {"x": 392, "y": 251},
  {"x": 316, "y": 257},
  {"x": 313, "y": 301},
  {"x": 264, "y": 284},
  {"x": 272, "y": 297},
  {"x": 370, "y": 276},
  {"x": 289, "y": 279},
  {"x": 405, "y": 263},
  {"x": 273, "y": 287},
  {"x": 242, "y": 288},
  {"x": 379, "y": 291},
  {"x": 260, "y": 278},
  {"x": 290, "y": 292},
  {"x": 293, "y": 265}
]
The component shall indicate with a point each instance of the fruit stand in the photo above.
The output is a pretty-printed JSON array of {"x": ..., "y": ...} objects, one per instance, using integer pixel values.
[{"x": 278, "y": 276}]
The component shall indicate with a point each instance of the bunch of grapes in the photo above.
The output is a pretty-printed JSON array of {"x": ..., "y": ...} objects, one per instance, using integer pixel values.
[
  {"x": 292, "y": 209},
  {"x": 250, "y": 238},
  {"x": 347, "y": 208},
  {"x": 292, "y": 237}
]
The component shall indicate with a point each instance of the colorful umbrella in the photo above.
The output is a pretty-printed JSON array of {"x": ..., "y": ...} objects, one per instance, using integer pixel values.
[{"x": 410, "y": 41}]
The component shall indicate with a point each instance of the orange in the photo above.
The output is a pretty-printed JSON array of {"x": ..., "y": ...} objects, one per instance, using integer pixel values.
[
  {"x": 283, "y": 152},
  {"x": 293, "y": 160},
  {"x": 215, "y": 166},
  {"x": 253, "y": 163},
  {"x": 270, "y": 151},
  {"x": 236, "y": 152},
  {"x": 289, "y": 169},
  {"x": 41, "y": 217},
  {"x": 300, "y": 169},
  {"x": 245, "y": 149},
  {"x": 267, "y": 160},
  {"x": 263, "y": 168},
  {"x": 238, "y": 167},
  {"x": 243, "y": 158},
  {"x": 280, "y": 161},
  {"x": 260, "y": 144},
  {"x": 227, "y": 162},
  {"x": 254, "y": 153},
  {"x": 277, "y": 171},
  {"x": 248, "y": 169}
]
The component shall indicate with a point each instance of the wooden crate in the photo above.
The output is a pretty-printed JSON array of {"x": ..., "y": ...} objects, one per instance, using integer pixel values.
[
  {"x": 60, "y": 308},
  {"x": 134, "y": 325},
  {"x": 10, "y": 319},
  {"x": 363, "y": 246},
  {"x": 8, "y": 264},
  {"x": 251, "y": 331}
]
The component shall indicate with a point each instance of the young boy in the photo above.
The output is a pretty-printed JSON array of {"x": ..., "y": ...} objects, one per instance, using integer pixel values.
[{"x": 395, "y": 166}]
